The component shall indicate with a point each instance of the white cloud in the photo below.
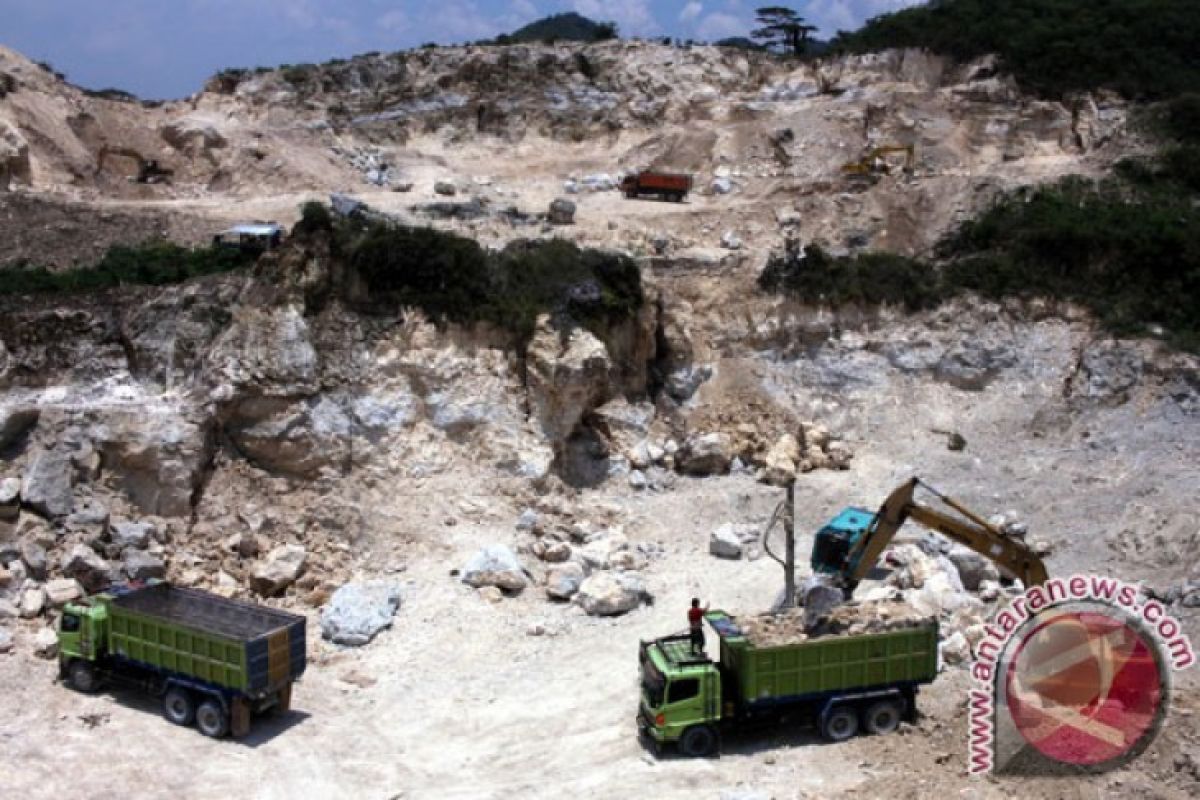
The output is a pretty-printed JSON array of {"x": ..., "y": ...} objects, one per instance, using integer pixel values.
[
  {"x": 690, "y": 12},
  {"x": 720, "y": 25}
]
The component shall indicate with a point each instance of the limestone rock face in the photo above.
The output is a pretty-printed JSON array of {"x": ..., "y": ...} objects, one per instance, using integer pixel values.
[
  {"x": 49, "y": 482},
  {"x": 14, "y": 157},
  {"x": 159, "y": 459},
  {"x": 568, "y": 376}
]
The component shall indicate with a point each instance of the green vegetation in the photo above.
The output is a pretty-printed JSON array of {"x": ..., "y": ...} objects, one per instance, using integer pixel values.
[
  {"x": 151, "y": 264},
  {"x": 1127, "y": 248},
  {"x": 453, "y": 279},
  {"x": 570, "y": 27},
  {"x": 1144, "y": 49},
  {"x": 867, "y": 279},
  {"x": 782, "y": 29}
]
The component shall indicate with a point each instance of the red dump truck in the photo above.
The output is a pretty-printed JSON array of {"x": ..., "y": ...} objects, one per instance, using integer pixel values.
[{"x": 667, "y": 185}]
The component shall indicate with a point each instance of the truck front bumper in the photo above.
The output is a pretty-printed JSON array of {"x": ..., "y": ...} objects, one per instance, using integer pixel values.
[{"x": 647, "y": 728}]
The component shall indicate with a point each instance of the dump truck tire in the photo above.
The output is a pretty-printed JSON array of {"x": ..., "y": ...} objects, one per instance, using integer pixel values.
[
  {"x": 882, "y": 717},
  {"x": 840, "y": 725},
  {"x": 82, "y": 677},
  {"x": 211, "y": 719},
  {"x": 179, "y": 707},
  {"x": 698, "y": 741}
]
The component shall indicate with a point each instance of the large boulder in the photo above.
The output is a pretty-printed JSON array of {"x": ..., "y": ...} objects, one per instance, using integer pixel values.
[
  {"x": 564, "y": 580},
  {"x": 781, "y": 462},
  {"x": 143, "y": 566},
  {"x": 194, "y": 135},
  {"x": 567, "y": 376},
  {"x": 49, "y": 482},
  {"x": 496, "y": 565},
  {"x": 607, "y": 594},
  {"x": 562, "y": 211},
  {"x": 279, "y": 570},
  {"x": 84, "y": 565},
  {"x": 10, "y": 499},
  {"x": 132, "y": 534},
  {"x": 359, "y": 611},
  {"x": 624, "y": 425},
  {"x": 706, "y": 454},
  {"x": 728, "y": 540},
  {"x": 297, "y": 439},
  {"x": 58, "y": 593},
  {"x": 33, "y": 600},
  {"x": 973, "y": 568},
  {"x": 45, "y": 643},
  {"x": 33, "y": 555}
]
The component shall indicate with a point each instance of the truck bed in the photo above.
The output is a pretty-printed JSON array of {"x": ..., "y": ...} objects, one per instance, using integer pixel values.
[
  {"x": 904, "y": 655},
  {"x": 227, "y": 643},
  {"x": 192, "y": 608}
]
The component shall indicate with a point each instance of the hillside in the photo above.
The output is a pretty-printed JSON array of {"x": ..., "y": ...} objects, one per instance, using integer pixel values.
[
  {"x": 1144, "y": 49},
  {"x": 569, "y": 27}
]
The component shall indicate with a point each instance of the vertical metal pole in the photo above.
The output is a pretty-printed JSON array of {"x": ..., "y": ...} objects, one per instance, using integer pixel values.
[{"x": 789, "y": 569}]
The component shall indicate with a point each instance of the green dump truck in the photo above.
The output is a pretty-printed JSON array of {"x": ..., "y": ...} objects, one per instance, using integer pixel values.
[
  {"x": 215, "y": 662},
  {"x": 843, "y": 684}
]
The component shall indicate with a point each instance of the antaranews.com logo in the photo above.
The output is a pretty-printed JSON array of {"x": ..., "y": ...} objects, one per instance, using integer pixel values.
[{"x": 1072, "y": 675}]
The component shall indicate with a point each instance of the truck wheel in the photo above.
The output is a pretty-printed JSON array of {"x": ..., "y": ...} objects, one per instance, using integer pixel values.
[
  {"x": 841, "y": 724},
  {"x": 179, "y": 707},
  {"x": 82, "y": 677},
  {"x": 882, "y": 717},
  {"x": 211, "y": 719},
  {"x": 698, "y": 741}
]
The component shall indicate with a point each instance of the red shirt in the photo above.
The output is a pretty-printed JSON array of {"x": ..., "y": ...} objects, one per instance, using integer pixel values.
[{"x": 695, "y": 617}]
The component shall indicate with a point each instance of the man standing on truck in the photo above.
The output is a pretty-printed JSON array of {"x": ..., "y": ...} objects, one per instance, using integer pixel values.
[{"x": 696, "y": 625}]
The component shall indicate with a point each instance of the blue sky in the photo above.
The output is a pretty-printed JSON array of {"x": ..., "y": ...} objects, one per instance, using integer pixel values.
[{"x": 166, "y": 48}]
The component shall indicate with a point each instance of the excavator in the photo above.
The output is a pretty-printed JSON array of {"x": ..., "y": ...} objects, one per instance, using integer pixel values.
[
  {"x": 850, "y": 545},
  {"x": 874, "y": 163}
]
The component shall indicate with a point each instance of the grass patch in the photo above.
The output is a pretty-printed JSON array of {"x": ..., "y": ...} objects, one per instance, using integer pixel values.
[{"x": 148, "y": 264}]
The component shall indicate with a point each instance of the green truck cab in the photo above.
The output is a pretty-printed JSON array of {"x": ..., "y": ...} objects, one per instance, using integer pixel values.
[
  {"x": 841, "y": 683},
  {"x": 215, "y": 662}
]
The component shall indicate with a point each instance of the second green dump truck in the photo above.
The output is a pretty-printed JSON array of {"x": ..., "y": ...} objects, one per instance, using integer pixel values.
[
  {"x": 843, "y": 683},
  {"x": 215, "y": 662}
]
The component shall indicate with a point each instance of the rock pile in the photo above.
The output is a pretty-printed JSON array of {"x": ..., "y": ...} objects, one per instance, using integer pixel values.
[
  {"x": 593, "y": 565},
  {"x": 853, "y": 618}
]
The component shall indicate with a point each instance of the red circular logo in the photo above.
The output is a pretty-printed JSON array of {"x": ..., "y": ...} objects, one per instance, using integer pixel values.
[{"x": 1084, "y": 687}]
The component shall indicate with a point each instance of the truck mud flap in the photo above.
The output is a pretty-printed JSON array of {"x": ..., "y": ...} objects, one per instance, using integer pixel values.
[{"x": 239, "y": 718}]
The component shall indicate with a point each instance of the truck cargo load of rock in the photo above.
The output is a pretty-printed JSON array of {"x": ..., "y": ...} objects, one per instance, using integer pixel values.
[{"x": 872, "y": 616}]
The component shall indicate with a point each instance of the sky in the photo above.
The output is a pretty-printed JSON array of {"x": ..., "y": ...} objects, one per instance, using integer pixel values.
[{"x": 161, "y": 49}]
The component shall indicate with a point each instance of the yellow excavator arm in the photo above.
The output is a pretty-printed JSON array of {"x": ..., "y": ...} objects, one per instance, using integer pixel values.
[{"x": 974, "y": 532}]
